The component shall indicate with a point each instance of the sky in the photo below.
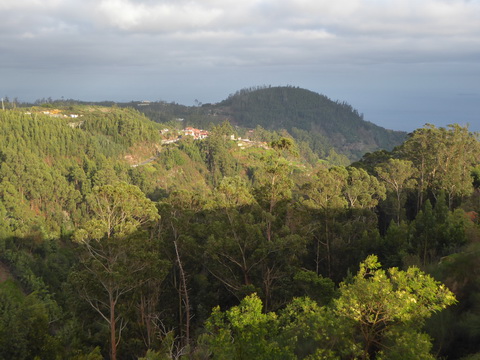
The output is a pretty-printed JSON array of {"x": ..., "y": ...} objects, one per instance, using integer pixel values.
[{"x": 402, "y": 63}]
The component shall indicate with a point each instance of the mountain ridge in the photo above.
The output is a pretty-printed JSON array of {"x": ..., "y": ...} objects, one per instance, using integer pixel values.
[
  {"x": 307, "y": 116},
  {"x": 318, "y": 124},
  {"x": 295, "y": 108}
]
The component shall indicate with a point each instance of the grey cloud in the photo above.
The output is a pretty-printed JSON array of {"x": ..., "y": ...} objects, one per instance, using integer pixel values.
[{"x": 162, "y": 44}]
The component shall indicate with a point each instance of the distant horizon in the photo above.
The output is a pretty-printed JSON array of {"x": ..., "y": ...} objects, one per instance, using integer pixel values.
[{"x": 378, "y": 116}]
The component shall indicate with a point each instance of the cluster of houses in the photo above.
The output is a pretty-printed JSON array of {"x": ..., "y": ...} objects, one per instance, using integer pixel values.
[
  {"x": 196, "y": 133},
  {"x": 199, "y": 134},
  {"x": 56, "y": 113}
]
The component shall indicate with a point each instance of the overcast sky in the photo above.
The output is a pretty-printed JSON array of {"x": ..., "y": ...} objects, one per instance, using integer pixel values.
[{"x": 402, "y": 63}]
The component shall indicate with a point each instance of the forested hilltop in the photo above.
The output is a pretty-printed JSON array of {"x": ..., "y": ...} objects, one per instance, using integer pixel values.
[
  {"x": 312, "y": 119},
  {"x": 121, "y": 239},
  {"x": 318, "y": 124}
]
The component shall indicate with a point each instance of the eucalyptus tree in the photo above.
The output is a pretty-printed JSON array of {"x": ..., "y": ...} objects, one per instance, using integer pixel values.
[
  {"x": 398, "y": 176},
  {"x": 234, "y": 243},
  {"x": 117, "y": 257},
  {"x": 362, "y": 190},
  {"x": 323, "y": 199},
  {"x": 273, "y": 193},
  {"x": 177, "y": 232},
  {"x": 443, "y": 159},
  {"x": 239, "y": 252},
  {"x": 216, "y": 153},
  {"x": 389, "y": 308}
]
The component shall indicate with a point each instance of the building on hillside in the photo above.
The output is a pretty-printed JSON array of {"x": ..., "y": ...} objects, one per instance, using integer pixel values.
[{"x": 196, "y": 133}]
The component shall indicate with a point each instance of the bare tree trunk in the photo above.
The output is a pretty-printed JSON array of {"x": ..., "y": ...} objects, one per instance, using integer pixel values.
[
  {"x": 184, "y": 291},
  {"x": 113, "y": 330},
  {"x": 327, "y": 242},
  {"x": 399, "y": 208}
]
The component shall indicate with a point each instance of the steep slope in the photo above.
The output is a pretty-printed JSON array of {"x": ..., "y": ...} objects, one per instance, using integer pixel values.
[
  {"x": 297, "y": 110},
  {"x": 50, "y": 161}
]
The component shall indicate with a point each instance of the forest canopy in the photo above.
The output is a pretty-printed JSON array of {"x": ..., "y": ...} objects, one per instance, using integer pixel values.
[{"x": 119, "y": 239}]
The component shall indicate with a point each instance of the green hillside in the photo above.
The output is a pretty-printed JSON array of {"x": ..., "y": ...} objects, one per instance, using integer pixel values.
[
  {"x": 315, "y": 121},
  {"x": 316, "y": 118},
  {"x": 318, "y": 124},
  {"x": 117, "y": 244}
]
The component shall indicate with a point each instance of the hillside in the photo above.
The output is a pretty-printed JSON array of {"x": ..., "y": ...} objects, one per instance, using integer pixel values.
[
  {"x": 310, "y": 118},
  {"x": 298, "y": 111},
  {"x": 117, "y": 244},
  {"x": 318, "y": 124}
]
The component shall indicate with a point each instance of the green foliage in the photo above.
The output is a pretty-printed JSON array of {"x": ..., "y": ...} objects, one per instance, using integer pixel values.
[
  {"x": 476, "y": 176},
  {"x": 437, "y": 232},
  {"x": 244, "y": 332},
  {"x": 235, "y": 220},
  {"x": 383, "y": 305},
  {"x": 457, "y": 332},
  {"x": 95, "y": 354},
  {"x": 443, "y": 159},
  {"x": 398, "y": 176},
  {"x": 117, "y": 258},
  {"x": 118, "y": 210},
  {"x": 25, "y": 325},
  {"x": 215, "y": 149},
  {"x": 362, "y": 190},
  {"x": 378, "y": 315},
  {"x": 125, "y": 127},
  {"x": 297, "y": 110},
  {"x": 316, "y": 287}
]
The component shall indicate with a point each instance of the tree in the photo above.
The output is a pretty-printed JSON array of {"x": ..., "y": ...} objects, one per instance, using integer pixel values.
[
  {"x": 116, "y": 257},
  {"x": 362, "y": 190},
  {"x": 26, "y": 325},
  {"x": 275, "y": 184},
  {"x": 388, "y": 309},
  {"x": 234, "y": 247},
  {"x": 398, "y": 176},
  {"x": 178, "y": 217},
  {"x": 244, "y": 332},
  {"x": 437, "y": 231},
  {"x": 216, "y": 152},
  {"x": 324, "y": 194},
  {"x": 118, "y": 210},
  {"x": 285, "y": 144},
  {"x": 378, "y": 315},
  {"x": 443, "y": 159}
]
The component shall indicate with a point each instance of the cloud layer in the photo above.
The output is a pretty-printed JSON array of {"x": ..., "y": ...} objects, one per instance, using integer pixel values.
[
  {"x": 141, "y": 38},
  {"x": 350, "y": 30}
]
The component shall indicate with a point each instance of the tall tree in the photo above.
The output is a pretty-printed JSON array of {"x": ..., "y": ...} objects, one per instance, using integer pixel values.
[
  {"x": 443, "y": 159},
  {"x": 324, "y": 194},
  {"x": 398, "y": 176},
  {"x": 362, "y": 191},
  {"x": 244, "y": 332},
  {"x": 116, "y": 257},
  {"x": 378, "y": 315},
  {"x": 179, "y": 213}
]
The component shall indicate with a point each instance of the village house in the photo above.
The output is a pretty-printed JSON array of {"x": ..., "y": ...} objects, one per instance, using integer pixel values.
[{"x": 196, "y": 133}]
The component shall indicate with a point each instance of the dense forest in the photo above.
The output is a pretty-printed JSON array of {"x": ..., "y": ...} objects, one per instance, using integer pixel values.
[
  {"x": 316, "y": 123},
  {"x": 116, "y": 244},
  {"x": 320, "y": 126}
]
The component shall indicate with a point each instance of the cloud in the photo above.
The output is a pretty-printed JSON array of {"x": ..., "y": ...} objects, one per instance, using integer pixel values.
[
  {"x": 406, "y": 24},
  {"x": 250, "y": 42},
  {"x": 136, "y": 16}
]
